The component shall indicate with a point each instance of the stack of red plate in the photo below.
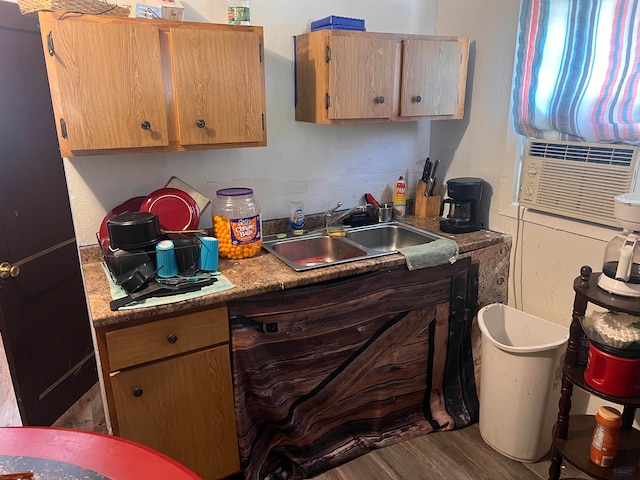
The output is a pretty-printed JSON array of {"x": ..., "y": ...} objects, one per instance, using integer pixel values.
[{"x": 176, "y": 210}]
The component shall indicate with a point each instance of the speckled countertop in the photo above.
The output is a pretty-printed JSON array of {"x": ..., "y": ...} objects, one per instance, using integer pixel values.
[{"x": 260, "y": 274}]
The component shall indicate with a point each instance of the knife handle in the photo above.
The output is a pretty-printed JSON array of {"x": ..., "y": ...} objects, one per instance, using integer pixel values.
[{"x": 429, "y": 190}]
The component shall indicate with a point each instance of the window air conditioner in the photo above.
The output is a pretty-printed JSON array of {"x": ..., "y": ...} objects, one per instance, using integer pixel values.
[{"x": 576, "y": 180}]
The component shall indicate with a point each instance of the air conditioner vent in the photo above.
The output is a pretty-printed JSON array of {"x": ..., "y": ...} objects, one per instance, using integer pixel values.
[{"x": 576, "y": 180}]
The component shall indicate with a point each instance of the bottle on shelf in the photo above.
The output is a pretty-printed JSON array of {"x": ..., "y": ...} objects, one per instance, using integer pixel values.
[
  {"x": 239, "y": 12},
  {"x": 231, "y": 12},
  {"x": 604, "y": 442}
]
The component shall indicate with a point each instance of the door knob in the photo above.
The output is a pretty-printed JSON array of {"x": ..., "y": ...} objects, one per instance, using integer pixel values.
[{"x": 7, "y": 270}]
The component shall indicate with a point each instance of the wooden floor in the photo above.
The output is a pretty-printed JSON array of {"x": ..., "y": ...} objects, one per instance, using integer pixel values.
[{"x": 456, "y": 455}]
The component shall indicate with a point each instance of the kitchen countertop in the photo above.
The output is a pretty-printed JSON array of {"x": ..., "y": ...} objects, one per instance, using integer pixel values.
[{"x": 260, "y": 274}]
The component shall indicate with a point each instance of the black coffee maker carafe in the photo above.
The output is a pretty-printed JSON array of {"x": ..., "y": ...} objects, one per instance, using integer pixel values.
[{"x": 465, "y": 205}]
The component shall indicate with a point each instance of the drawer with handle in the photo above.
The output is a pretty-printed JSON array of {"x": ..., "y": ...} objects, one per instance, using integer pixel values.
[{"x": 163, "y": 338}]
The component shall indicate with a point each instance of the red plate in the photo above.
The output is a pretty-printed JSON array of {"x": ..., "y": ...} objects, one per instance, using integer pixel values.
[
  {"x": 176, "y": 209},
  {"x": 131, "y": 205}
]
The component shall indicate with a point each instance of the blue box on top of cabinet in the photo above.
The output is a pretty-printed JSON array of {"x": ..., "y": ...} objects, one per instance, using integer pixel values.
[{"x": 338, "y": 23}]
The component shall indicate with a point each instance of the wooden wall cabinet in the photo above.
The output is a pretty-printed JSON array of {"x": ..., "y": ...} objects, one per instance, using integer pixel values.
[
  {"x": 124, "y": 85},
  {"x": 351, "y": 76},
  {"x": 168, "y": 386}
]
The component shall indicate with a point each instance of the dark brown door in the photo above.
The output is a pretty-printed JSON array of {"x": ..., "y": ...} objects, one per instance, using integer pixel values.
[{"x": 43, "y": 314}]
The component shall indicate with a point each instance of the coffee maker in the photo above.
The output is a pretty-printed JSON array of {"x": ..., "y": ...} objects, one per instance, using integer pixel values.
[
  {"x": 621, "y": 265},
  {"x": 465, "y": 205}
]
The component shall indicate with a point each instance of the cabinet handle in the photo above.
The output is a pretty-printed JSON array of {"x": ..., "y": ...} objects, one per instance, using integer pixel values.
[
  {"x": 146, "y": 125},
  {"x": 172, "y": 338},
  {"x": 200, "y": 123},
  {"x": 418, "y": 99},
  {"x": 138, "y": 392},
  {"x": 380, "y": 99}
]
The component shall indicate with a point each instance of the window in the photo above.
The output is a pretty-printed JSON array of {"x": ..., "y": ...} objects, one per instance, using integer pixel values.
[
  {"x": 577, "y": 72},
  {"x": 576, "y": 87}
]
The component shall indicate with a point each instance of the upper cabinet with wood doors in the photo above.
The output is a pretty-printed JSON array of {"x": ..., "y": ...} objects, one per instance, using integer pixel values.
[
  {"x": 124, "y": 85},
  {"x": 352, "y": 76}
]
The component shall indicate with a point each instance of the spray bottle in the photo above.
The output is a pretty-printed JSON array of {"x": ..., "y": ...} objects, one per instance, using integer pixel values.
[{"x": 399, "y": 198}]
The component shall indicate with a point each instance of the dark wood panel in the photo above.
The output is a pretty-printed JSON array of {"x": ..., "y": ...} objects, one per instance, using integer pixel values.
[{"x": 324, "y": 374}]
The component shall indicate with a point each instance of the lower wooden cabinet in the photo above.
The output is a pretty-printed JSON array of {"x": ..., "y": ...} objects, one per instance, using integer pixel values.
[{"x": 168, "y": 386}]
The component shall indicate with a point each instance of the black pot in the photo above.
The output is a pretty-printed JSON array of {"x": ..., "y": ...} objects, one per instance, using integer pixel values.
[{"x": 134, "y": 230}]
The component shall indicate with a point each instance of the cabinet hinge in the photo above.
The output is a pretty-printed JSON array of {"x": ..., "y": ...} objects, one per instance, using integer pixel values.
[
  {"x": 327, "y": 101},
  {"x": 63, "y": 128},
  {"x": 52, "y": 50},
  {"x": 327, "y": 54},
  {"x": 260, "y": 52}
]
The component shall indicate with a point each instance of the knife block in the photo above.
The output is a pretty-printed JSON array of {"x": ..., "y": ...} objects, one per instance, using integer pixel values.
[{"x": 426, "y": 207}]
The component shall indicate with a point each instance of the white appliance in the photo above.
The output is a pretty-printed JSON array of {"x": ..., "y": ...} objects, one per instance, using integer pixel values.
[
  {"x": 576, "y": 180},
  {"x": 621, "y": 265}
]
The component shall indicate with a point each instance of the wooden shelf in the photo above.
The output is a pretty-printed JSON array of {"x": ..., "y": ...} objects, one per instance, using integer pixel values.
[
  {"x": 594, "y": 294},
  {"x": 576, "y": 376},
  {"x": 575, "y": 450},
  {"x": 572, "y": 433}
]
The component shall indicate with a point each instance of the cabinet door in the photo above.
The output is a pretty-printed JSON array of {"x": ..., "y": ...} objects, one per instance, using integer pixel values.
[
  {"x": 219, "y": 86},
  {"x": 362, "y": 73},
  {"x": 182, "y": 407},
  {"x": 430, "y": 77},
  {"x": 324, "y": 373},
  {"x": 109, "y": 81}
]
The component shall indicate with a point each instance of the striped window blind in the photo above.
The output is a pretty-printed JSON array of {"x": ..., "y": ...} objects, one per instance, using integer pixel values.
[{"x": 577, "y": 72}]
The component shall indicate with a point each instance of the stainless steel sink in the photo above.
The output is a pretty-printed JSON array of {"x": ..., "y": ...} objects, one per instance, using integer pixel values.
[
  {"x": 316, "y": 250},
  {"x": 310, "y": 252},
  {"x": 389, "y": 237}
]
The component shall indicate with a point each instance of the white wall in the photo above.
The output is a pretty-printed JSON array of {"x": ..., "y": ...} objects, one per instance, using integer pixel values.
[
  {"x": 548, "y": 251},
  {"x": 320, "y": 164}
]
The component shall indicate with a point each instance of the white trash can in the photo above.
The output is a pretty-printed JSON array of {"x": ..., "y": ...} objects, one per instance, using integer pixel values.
[{"x": 520, "y": 380}]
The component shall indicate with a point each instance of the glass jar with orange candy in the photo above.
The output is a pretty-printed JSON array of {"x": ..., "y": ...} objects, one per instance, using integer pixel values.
[{"x": 236, "y": 223}]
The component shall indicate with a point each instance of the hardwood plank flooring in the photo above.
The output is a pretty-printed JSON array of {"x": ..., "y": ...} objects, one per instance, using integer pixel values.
[
  {"x": 9, "y": 414},
  {"x": 455, "y": 455}
]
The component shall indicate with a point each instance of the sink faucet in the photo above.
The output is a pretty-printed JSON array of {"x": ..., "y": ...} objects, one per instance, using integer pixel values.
[{"x": 330, "y": 219}]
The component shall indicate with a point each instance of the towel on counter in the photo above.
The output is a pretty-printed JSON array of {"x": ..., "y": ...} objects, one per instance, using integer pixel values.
[
  {"x": 432, "y": 254},
  {"x": 117, "y": 291}
]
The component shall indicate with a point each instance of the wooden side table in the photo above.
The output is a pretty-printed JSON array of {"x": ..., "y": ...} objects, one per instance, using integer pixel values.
[
  {"x": 572, "y": 433},
  {"x": 67, "y": 453}
]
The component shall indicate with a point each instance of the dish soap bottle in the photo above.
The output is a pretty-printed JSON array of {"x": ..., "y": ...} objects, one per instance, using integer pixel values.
[
  {"x": 296, "y": 214},
  {"x": 399, "y": 198}
]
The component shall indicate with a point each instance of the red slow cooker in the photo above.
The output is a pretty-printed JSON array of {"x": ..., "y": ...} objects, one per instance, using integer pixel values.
[{"x": 613, "y": 371}]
